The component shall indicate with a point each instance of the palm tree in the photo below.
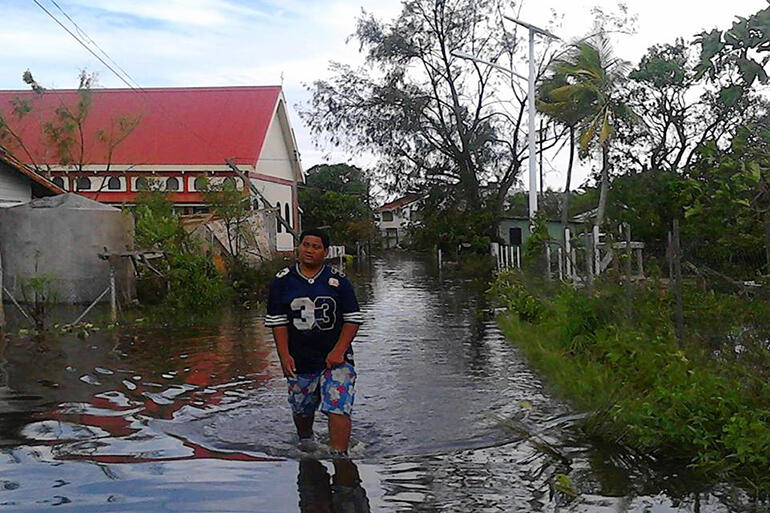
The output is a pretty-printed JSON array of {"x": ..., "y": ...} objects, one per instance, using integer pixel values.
[{"x": 585, "y": 92}]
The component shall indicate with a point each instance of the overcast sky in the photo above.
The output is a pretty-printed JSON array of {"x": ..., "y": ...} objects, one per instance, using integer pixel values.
[{"x": 267, "y": 42}]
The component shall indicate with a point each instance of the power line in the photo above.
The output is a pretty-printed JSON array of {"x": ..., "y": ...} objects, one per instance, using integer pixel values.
[
  {"x": 49, "y": 13},
  {"x": 84, "y": 34},
  {"x": 137, "y": 88}
]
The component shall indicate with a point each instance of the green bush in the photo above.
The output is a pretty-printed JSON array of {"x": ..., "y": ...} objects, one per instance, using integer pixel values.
[{"x": 706, "y": 403}]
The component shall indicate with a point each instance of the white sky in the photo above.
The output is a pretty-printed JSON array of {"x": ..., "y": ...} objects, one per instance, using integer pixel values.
[{"x": 257, "y": 42}]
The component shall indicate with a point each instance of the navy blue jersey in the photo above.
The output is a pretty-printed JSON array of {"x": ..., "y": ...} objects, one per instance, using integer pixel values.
[{"x": 314, "y": 310}]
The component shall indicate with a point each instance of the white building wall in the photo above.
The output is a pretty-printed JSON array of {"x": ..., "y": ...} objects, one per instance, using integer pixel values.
[
  {"x": 14, "y": 187},
  {"x": 275, "y": 159},
  {"x": 279, "y": 193}
]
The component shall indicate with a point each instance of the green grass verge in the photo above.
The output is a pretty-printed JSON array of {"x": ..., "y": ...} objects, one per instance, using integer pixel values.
[{"x": 705, "y": 404}]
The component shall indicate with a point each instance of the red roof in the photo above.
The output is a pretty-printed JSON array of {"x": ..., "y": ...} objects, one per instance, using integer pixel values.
[
  {"x": 400, "y": 202},
  {"x": 176, "y": 126}
]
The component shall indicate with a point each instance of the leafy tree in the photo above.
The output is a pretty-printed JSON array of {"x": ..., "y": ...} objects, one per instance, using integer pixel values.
[
  {"x": 337, "y": 196},
  {"x": 727, "y": 203},
  {"x": 736, "y": 58},
  {"x": 65, "y": 133},
  {"x": 432, "y": 119}
]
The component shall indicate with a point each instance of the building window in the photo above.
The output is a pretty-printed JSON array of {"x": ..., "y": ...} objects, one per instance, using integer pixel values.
[
  {"x": 172, "y": 184},
  {"x": 287, "y": 214},
  {"x": 228, "y": 184},
  {"x": 83, "y": 183},
  {"x": 387, "y": 216},
  {"x": 279, "y": 226},
  {"x": 201, "y": 183},
  {"x": 142, "y": 184},
  {"x": 58, "y": 180},
  {"x": 113, "y": 183}
]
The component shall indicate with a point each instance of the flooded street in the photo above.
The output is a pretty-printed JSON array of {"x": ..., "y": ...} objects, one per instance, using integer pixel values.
[{"x": 155, "y": 420}]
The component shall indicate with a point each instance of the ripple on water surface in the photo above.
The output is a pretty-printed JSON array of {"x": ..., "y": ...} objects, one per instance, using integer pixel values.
[{"x": 194, "y": 419}]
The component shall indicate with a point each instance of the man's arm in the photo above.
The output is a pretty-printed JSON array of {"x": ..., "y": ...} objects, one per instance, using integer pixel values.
[
  {"x": 281, "y": 336},
  {"x": 337, "y": 355}
]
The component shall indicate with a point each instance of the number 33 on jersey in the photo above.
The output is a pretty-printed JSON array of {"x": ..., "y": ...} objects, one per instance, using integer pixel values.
[{"x": 318, "y": 305}]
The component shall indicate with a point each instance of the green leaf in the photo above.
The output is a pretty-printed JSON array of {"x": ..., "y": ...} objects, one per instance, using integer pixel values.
[{"x": 730, "y": 95}]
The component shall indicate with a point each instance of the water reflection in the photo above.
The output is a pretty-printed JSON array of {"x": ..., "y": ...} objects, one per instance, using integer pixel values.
[
  {"x": 321, "y": 493},
  {"x": 153, "y": 416}
]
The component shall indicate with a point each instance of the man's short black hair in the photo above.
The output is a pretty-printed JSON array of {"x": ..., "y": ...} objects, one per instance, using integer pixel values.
[{"x": 315, "y": 232}]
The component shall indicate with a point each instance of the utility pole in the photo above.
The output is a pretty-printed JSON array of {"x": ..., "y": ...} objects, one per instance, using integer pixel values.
[{"x": 533, "y": 30}]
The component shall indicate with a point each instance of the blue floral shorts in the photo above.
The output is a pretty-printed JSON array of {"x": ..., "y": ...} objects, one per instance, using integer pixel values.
[{"x": 333, "y": 389}]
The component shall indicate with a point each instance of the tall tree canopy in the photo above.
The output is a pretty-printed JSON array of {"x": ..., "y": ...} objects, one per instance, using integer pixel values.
[
  {"x": 432, "y": 118},
  {"x": 337, "y": 196}
]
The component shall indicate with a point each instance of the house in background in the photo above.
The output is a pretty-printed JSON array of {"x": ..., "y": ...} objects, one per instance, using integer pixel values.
[
  {"x": 514, "y": 231},
  {"x": 19, "y": 184},
  {"x": 181, "y": 139},
  {"x": 394, "y": 217}
]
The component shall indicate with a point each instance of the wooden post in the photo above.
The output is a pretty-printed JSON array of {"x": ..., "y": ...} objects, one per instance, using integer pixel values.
[
  {"x": 439, "y": 258},
  {"x": 113, "y": 296},
  {"x": 627, "y": 230},
  {"x": 518, "y": 257},
  {"x": 590, "y": 260},
  {"x": 670, "y": 258},
  {"x": 677, "y": 264},
  {"x": 640, "y": 262},
  {"x": 561, "y": 263},
  {"x": 2, "y": 309},
  {"x": 567, "y": 252},
  {"x": 548, "y": 262}
]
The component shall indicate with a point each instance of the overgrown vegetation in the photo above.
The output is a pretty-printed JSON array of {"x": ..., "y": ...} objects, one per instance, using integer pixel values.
[
  {"x": 705, "y": 403},
  {"x": 186, "y": 280}
]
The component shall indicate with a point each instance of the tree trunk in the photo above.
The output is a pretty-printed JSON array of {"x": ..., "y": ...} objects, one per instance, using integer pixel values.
[{"x": 604, "y": 187}]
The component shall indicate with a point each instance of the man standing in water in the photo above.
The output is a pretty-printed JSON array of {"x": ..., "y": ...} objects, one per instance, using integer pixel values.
[{"x": 314, "y": 315}]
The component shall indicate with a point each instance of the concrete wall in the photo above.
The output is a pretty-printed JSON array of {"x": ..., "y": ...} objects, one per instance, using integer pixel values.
[
  {"x": 15, "y": 188},
  {"x": 61, "y": 236}
]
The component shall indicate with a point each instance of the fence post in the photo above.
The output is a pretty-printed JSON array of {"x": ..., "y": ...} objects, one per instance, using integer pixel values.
[
  {"x": 679, "y": 311},
  {"x": 562, "y": 263},
  {"x": 567, "y": 252},
  {"x": 518, "y": 257},
  {"x": 590, "y": 260},
  {"x": 113, "y": 295},
  {"x": 439, "y": 258},
  {"x": 627, "y": 230}
]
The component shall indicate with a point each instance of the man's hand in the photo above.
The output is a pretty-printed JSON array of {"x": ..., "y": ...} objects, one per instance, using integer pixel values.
[
  {"x": 335, "y": 358},
  {"x": 288, "y": 366}
]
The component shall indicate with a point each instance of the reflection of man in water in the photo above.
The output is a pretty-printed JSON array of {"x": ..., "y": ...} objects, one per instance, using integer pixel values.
[
  {"x": 314, "y": 315},
  {"x": 345, "y": 494}
]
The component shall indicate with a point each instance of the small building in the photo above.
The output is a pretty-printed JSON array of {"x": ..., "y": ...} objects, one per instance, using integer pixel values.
[
  {"x": 393, "y": 219},
  {"x": 19, "y": 184},
  {"x": 171, "y": 139},
  {"x": 514, "y": 231}
]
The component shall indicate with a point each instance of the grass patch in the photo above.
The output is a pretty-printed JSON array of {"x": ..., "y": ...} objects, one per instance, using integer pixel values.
[{"x": 705, "y": 404}]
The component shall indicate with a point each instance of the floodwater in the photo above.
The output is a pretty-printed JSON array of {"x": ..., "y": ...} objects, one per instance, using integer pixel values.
[{"x": 195, "y": 420}]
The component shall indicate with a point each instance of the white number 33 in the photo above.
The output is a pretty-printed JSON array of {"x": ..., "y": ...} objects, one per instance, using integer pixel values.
[{"x": 321, "y": 313}]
